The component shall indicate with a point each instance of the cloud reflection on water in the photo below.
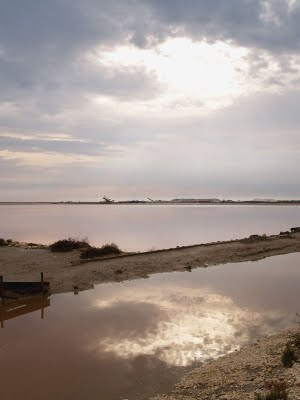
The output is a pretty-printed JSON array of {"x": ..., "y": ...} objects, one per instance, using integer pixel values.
[
  {"x": 194, "y": 326},
  {"x": 136, "y": 339}
]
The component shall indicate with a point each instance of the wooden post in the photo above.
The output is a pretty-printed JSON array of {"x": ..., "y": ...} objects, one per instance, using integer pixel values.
[
  {"x": 2, "y": 324},
  {"x": 1, "y": 287},
  {"x": 42, "y": 281},
  {"x": 42, "y": 313}
]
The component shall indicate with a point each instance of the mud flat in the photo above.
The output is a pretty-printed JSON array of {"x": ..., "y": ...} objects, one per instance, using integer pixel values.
[
  {"x": 67, "y": 272},
  {"x": 242, "y": 374}
]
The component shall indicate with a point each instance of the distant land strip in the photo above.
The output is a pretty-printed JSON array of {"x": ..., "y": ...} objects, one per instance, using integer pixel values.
[{"x": 214, "y": 202}]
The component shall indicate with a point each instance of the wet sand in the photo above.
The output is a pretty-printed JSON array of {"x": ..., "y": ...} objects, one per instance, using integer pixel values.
[{"x": 67, "y": 272}]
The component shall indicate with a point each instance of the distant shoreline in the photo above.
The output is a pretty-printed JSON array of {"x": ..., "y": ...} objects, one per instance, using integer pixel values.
[{"x": 158, "y": 203}]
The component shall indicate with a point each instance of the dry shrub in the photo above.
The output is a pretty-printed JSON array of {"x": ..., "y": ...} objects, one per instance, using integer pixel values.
[
  {"x": 66, "y": 245},
  {"x": 106, "y": 250},
  {"x": 288, "y": 356},
  {"x": 291, "y": 351},
  {"x": 3, "y": 242}
]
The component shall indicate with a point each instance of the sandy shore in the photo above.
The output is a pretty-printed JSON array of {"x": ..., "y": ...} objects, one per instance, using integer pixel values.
[
  {"x": 239, "y": 375},
  {"x": 236, "y": 376},
  {"x": 66, "y": 271}
]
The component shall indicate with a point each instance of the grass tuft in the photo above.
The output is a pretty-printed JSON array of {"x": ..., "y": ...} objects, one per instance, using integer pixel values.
[{"x": 288, "y": 356}]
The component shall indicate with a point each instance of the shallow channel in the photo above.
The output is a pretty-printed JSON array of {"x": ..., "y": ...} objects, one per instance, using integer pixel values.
[{"x": 135, "y": 339}]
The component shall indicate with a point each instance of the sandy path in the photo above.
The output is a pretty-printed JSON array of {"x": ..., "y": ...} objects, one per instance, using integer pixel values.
[{"x": 64, "y": 270}]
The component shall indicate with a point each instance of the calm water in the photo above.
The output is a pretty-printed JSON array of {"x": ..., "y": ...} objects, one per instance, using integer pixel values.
[
  {"x": 133, "y": 340},
  {"x": 144, "y": 227}
]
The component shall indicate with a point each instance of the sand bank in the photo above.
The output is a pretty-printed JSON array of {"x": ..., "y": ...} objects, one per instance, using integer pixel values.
[{"x": 66, "y": 271}]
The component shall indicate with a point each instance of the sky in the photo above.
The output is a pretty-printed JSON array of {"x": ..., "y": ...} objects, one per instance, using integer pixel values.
[{"x": 149, "y": 98}]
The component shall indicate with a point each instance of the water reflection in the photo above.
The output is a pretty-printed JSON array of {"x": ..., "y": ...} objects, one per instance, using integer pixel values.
[
  {"x": 196, "y": 325},
  {"x": 133, "y": 340},
  {"x": 17, "y": 308},
  {"x": 143, "y": 227}
]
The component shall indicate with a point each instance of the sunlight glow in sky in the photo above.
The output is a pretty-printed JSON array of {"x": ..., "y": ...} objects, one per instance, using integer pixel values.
[
  {"x": 136, "y": 97},
  {"x": 192, "y": 75}
]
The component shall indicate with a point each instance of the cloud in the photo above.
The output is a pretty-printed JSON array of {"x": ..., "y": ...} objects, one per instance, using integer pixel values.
[
  {"x": 70, "y": 107},
  {"x": 265, "y": 24},
  {"x": 15, "y": 144},
  {"x": 44, "y": 49}
]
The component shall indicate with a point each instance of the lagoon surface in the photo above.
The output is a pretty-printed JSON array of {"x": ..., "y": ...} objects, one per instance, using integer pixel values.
[
  {"x": 144, "y": 227},
  {"x": 135, "y": 339}
]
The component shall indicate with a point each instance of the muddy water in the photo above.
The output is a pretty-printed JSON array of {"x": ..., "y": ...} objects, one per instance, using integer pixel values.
[
  {"x": 133, "y": 340},
  {"x": 144, "y": 227}
]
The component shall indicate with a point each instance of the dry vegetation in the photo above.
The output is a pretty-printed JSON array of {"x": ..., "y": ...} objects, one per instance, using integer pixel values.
[
  {"x": 106, "y": 250},
  {"x": 86, "y": 250},
  {"x": 70, "y": 244}
]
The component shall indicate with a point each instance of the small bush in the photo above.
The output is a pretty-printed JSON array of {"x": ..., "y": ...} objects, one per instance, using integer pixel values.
[
  {"x": 106, "y": 250},
  {"x": 69, "y": 244},
  {"x": 288, "y": 356},
  {"x": 276, "y": 391},
  {"x": 3, "y": 242}
]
